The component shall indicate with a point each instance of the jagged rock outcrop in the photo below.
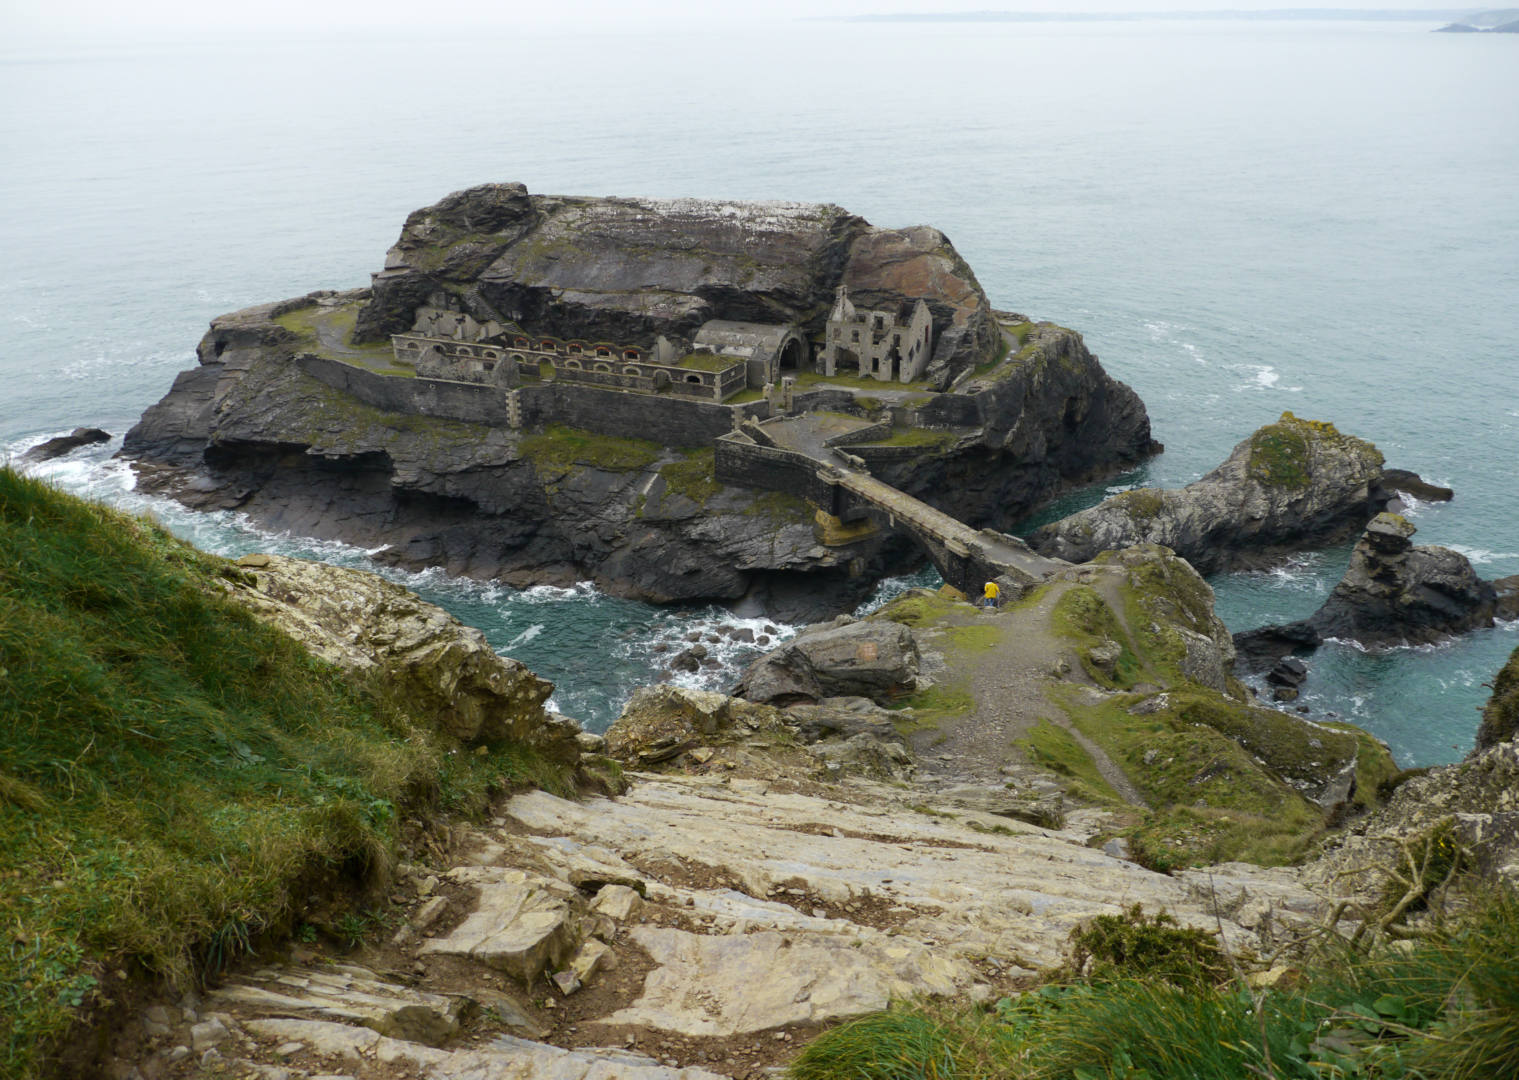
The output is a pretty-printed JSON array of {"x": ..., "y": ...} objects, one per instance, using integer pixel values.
[
  {"x": 1292, "y": 484},
  {"x": 437, "y": 666},
  {"x": 1393, "y": 593},
  {"x": 844, "y": 658},
  {"x": 626, "y": 270},
  {"x": 1476, "y": 802}
]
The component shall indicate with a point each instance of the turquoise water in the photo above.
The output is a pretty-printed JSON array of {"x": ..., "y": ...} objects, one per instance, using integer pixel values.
[{"x": 1242, "y": 218}]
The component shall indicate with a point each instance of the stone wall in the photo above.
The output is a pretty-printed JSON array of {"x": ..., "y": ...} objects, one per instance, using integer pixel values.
[
  {"x": 740, "y": 461},
  {"x": 671, "y": 421},
  {"x": 471, "y": 402},
  {"x": 624, "y": 367}
]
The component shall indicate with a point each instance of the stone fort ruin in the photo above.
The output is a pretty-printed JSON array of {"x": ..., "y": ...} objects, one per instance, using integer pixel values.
[{"x": 723, "y": 358}]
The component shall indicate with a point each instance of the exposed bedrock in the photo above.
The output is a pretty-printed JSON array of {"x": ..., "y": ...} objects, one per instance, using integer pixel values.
[
  {"x": 1291, "y": 485},
  {"x": 1475, "y": 803},
  {"x": 1393, "y": 593},
  {"x": 66, "y": 444},
  {"x": 628, "y": 269}
]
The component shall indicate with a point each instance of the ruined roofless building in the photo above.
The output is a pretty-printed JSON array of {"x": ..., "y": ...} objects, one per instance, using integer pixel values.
[{"x": 886, "y": 345}]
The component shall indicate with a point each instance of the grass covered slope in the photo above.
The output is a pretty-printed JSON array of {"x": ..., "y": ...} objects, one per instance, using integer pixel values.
[
  {"x": 1114, "y": 677},
  {"x": 175, "y": 777}
]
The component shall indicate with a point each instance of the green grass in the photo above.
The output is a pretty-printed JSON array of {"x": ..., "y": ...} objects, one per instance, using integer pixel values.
[
  {"x": 559, "y": 448},
  {"x": 1083, "y": 617},
  {"x": 339, "y": 322},
  {"x": 692, "y": 476},
  {"x": 913, "y": 436},
  {"x": 920, "y": 607},
  {"x": 707, "y": 362},
  {"x": 177, "y": 777},
  {"x": 1055, "y": 749},
  {"x": 807, "y": 379}
]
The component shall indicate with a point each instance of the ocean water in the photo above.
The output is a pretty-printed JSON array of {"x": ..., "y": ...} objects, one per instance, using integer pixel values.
[{"x": 1241, "y": 217}]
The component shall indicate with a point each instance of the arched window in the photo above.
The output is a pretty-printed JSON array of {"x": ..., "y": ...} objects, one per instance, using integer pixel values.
[
  {"x": 521, "y": 343},
  {"x": 518, "y": 358},
  {"x": 575, "y": 350},
  {"x": 573, "y": 365},
  {"x": 629, "y": 369},
  {"x": 694, "y": 379},
  {"x": 549, "y": 346},
  {"x": 603, "y": 351},
  {"x": 602, "y": 367},
  {"x": 630, "y": 354}
]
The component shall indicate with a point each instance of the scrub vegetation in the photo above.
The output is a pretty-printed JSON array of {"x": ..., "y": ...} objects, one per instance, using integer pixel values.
[
  {"x": 1142, "y": 998},
  {"x": 177, "y": 778}
]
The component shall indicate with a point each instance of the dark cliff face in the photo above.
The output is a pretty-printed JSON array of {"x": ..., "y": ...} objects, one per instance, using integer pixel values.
[
  {"x": 1049, "y": 423},
  {"x": 627, "y": 270}
]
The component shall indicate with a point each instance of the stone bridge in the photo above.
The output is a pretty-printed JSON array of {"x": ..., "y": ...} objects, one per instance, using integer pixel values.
[{"x": 794, "y": 455}]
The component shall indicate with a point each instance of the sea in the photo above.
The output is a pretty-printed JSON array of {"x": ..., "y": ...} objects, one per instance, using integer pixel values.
[{"x": 1242, "y": 218}]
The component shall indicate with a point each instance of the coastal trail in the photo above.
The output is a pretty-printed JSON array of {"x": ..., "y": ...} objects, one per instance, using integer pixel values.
[{"x": 1012, "y": 654}]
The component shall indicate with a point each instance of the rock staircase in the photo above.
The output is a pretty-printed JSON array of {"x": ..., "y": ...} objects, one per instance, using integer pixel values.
[{"x": 700, "y": 926}]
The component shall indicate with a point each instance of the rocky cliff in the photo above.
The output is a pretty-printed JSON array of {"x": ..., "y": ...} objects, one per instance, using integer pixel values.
[{"x": 626, "y": 270}]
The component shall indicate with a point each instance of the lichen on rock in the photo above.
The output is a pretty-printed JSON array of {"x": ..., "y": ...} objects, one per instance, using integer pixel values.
[{"x": 1292, "y": 484}]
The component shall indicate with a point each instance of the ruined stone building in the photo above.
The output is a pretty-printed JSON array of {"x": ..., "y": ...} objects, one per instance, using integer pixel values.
[{"x": 893, "y": 346}]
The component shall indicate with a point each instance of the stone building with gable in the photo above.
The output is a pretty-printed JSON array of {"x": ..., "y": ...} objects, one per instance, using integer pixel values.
[{"x": 893, "y": 346}]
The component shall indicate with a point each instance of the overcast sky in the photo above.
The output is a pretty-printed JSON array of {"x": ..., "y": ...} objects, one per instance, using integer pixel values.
[{"x": 275, "y": 15}]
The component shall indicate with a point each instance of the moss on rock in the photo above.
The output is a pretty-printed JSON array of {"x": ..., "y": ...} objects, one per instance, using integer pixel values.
[{"x": 1500, "y": 717}]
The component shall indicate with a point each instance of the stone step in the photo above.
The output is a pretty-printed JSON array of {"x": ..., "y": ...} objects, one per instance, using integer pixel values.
[
  {"x": 349, "y": 995},
  {"x": 504, "y": 1058}
]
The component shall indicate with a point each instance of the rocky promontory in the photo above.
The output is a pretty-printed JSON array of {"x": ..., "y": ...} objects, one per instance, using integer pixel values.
[
  {"x": 1292, "y": 484},
  {"x": 273, "y": 422}
]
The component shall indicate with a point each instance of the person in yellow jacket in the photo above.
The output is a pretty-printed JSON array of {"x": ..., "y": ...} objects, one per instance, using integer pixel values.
[{"x": 989, "y": 596}]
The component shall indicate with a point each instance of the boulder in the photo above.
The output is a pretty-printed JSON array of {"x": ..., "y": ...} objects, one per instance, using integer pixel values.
[
  {"x": 1292, "y": 484},
  {"x": 662, "y": 722},
  {"x": 63, "y": 444},
  {"x": 437, "y": 666},
  {"x": 843, "y": 658},
  {"x": 521, "y": 925}
]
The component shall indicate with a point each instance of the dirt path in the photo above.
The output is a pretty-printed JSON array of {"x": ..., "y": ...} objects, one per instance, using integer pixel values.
[{"x": 1008, "y": 689}]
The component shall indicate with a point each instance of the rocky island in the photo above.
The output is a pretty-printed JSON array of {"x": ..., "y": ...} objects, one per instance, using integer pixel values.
[{"x": 544, "y": 388}]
